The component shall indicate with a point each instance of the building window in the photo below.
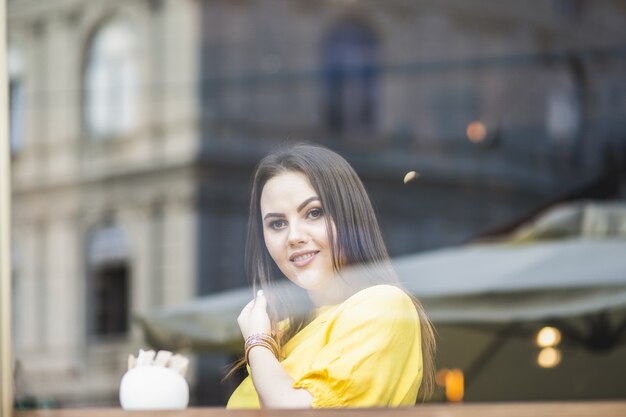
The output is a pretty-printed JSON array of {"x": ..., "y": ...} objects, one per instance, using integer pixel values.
[
  {"x": 111, "y": 81},
  {"x": 564, "y": 114},
  {"x": 563, "y": 108},
  {"x": 16, "y": 99},
  {"x": 350, "y": 76},
  {"x": 109, "y": 282}
]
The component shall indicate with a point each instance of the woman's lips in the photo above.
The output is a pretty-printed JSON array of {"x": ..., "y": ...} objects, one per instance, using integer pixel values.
[{"x": 303, "y": 259}]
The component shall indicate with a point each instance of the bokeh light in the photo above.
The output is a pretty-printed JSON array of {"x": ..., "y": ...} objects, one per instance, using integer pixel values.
[
  {"x": 549, "y": 357},
  {"x": 440, "y": 377},
  {"x": 548, "y": 336},
  {"x": 476, "y": 131},
  {"x": 455, "y": 385}
]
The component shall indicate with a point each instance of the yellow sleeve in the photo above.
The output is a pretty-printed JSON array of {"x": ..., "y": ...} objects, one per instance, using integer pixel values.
[{"x": 372, "y": 356}]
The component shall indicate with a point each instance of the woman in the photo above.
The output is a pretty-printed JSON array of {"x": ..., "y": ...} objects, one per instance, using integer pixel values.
[{"x": 365, "y": 342}]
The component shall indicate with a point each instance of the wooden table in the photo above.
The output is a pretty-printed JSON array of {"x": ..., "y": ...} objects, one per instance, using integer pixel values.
[{"x": 545, "y": 409}]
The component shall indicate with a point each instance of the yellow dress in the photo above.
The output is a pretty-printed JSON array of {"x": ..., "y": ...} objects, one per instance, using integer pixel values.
[{"x": 364, "y": 352}]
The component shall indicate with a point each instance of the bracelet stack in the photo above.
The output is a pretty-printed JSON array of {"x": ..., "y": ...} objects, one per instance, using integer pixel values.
[{"x": 260, "y": 339}]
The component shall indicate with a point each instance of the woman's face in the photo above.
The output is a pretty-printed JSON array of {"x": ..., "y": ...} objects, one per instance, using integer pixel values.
[{"x": 294, "y": 229}]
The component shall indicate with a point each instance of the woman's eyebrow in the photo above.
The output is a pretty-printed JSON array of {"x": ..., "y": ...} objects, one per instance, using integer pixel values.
[
  {"x": 300, "y": 207},
  {"x": 268, "y": 215},
  {"x": 307, "y": 201}
]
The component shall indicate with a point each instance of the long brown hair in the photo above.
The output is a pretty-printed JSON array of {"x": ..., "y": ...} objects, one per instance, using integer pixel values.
[{"x": 358, "y": 240}]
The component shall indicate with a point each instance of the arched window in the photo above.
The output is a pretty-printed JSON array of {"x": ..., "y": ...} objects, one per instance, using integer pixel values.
[
  {"x": 16, "y": 98},
  {"x": 111, "y": 81},
  {"x": 108, "y": 260},
  {"x": 350, "y": 76}
]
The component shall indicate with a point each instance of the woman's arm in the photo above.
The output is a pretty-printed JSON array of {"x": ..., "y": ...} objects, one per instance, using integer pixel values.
[{"x": 273, "y": 385}]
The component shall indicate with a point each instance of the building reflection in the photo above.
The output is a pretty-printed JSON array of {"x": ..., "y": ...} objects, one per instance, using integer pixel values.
[{"x": 136, "y": 126}]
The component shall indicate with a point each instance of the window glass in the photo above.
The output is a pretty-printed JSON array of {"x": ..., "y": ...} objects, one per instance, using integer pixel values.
[
  {"x": 563, "y": 108},
  {"x": 16, "y": 99},
  {"x": 109, "y": 280},
  {"x": 350, "y": 75},
  {"x": 111, "y": 81}
]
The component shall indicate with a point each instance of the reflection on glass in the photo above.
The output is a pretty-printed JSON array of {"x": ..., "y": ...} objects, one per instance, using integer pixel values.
[{"x": 187, "y": 97}]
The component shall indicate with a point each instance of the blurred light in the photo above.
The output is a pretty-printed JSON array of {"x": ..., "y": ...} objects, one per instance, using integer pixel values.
[
  {"x": 476, "y": 131},
  {"x": 548, "y": 336},
  {"x": 455, "y": 385},
  {"x": 549, "y": 357},
  {"x": 440, "y": 377},
  {"x": 410, "y": 176}
]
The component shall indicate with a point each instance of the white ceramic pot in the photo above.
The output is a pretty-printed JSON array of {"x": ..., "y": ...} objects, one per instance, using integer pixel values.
[{"x": 153, "y": 388}]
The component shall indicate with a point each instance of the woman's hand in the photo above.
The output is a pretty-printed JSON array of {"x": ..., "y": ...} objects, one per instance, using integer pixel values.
[
  {"x": 273, "y": 385},
  {"x": 253, "y": 318}
]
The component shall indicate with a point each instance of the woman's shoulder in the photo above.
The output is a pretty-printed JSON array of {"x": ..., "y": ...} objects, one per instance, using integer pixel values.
[
  {"x": 386, "y": 308},
  {"x": 382, "y": 291},
  {"x": 383, "y": 295}
]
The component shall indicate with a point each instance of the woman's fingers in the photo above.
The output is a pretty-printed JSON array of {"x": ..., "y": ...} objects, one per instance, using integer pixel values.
[
  {"x": 246, "y": 310},
  {"x": 253, "y": 317},
  {"x": 260, "y": 303}
]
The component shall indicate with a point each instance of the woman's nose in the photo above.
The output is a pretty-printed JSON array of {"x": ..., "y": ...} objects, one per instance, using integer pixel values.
[{"x": 297, "y": 235}]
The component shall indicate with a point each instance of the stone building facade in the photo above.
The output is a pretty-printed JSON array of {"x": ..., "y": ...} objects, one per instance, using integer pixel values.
[
  {"x": 104, "y": 206},
  {"x": 136, "y": 125}
]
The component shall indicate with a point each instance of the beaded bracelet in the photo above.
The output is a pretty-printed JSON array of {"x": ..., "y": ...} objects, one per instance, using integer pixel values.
[{"x": 261, "y": 339}]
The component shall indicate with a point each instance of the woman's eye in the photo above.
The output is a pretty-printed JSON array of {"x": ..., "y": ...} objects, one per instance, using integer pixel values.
[
  {"x": 278, "y": 224},
  {"x": 314, "y": 213}
]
